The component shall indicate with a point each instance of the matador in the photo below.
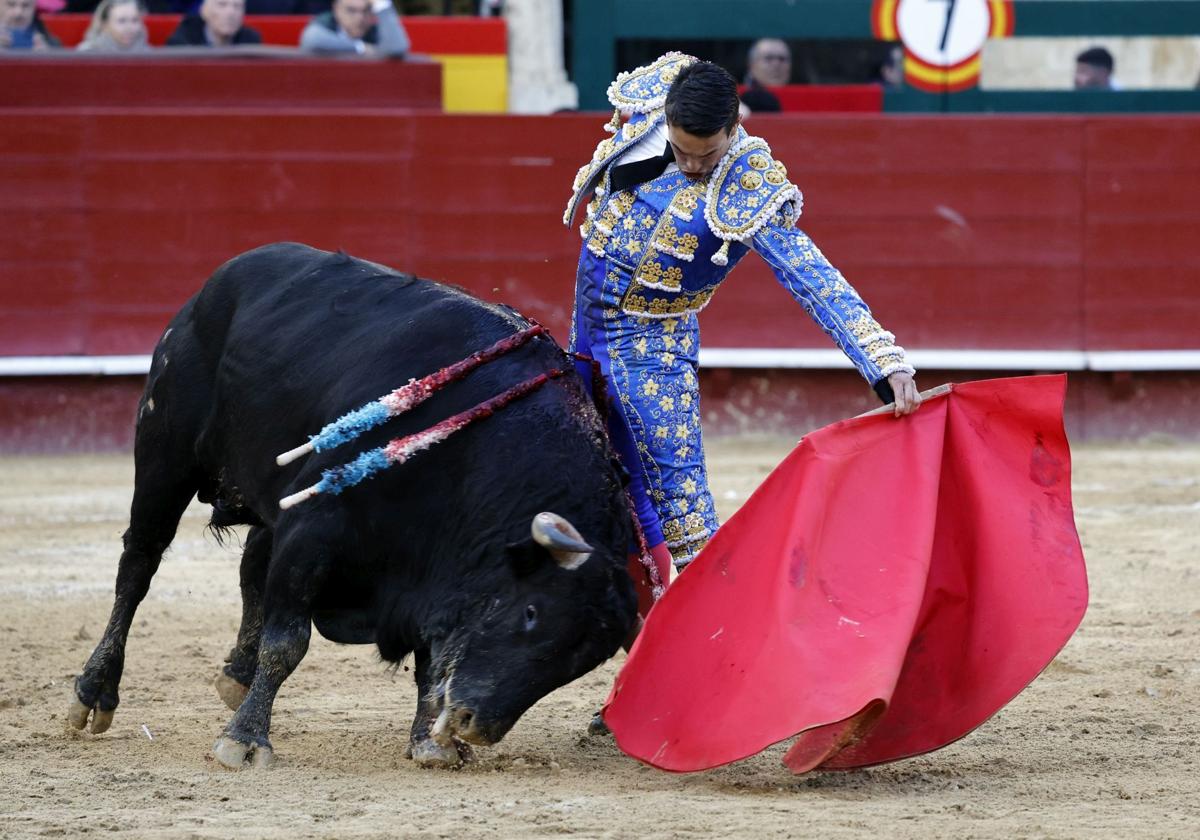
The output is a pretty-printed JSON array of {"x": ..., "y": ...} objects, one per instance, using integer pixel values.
[{"x": 675, "y": 198}]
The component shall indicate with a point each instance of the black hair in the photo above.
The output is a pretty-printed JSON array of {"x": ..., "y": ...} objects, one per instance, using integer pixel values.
[
  {"x": 703, "y": 100},
  {"x": 1096, "y": 57}
]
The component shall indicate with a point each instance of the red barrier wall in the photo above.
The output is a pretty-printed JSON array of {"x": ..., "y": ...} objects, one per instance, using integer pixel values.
[
  {"x": 1011, "y": 233},
  {"x": 962, "y": 232},
  {"x": 264, "y": 83}
]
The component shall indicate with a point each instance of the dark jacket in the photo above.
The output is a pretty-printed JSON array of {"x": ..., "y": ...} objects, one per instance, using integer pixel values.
[
  {"x": 190, "y": 33},
  {"x": 758, "y": 99}
]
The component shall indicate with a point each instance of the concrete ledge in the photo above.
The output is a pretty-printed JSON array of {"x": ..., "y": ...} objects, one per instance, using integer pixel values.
[{"x": 764, "y": 358}]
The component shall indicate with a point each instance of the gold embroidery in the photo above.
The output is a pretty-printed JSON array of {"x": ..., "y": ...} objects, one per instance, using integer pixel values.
[
  {"x": 686, "y": 201},
  {"x": 668, "y": 239},
  {"x": 636, "y": 303},
  {"x": 759, "y": 162},
  {"x": 751, "y": 180},
  {"x": 654, "y": 274},
  {"x": 775, "y": 177}
]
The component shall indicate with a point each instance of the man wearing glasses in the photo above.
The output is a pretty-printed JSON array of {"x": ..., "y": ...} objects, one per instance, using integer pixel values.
[
  {"x": 365, "y": 27},
  {"x": 769, "y": 64}
]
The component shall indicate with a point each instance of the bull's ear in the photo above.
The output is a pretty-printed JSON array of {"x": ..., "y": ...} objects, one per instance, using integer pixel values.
[{"x": 525, "y": 556}]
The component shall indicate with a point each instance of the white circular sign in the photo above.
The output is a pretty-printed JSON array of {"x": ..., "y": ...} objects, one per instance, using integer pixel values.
[{"x": 943, "y": 33}]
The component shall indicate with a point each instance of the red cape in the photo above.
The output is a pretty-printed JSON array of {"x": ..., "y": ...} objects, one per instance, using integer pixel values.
[{"x": 889, "y": 587}]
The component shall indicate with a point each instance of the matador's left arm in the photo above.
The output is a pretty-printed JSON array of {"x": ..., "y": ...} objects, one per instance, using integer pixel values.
[
  {"x": 833, "y": 303},
  {"x": 750, "y": 200}
]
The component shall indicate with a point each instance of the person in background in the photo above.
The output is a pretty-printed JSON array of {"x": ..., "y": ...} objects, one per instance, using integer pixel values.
[
  {"x": 357, "y": 26},
  {"x": 117, "y": 26},
  {"x": 219, "y": 24},
  {"x": 21, "y": 29},
  {"x": 768, "y": 64},
  {"x": 1094, "y": 70},
  {"x": 891, "y": 70}
]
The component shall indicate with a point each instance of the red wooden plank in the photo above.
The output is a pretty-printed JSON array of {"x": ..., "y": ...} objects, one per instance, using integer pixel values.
[
  {"x": 1142, "y": 307},
  {"x": 44, "y": 331},
  {"x": 295, "y": 136},
  {"x": 42, "y": 283},
  {"x": 53, "y": 235},
  {"x": 1143, "y": 142},
  {"x": 202, "y": 185},
  {"x": 225, "y": 82},
  {"x": 37, "y": 134},
  {"x": 40, "y": 183},
  {"x": 952, "y": 195},
  {"x": 1114, "y": 195},
  {"x": 1162, "y": 244},
  {"x": 926, "y": 144}
]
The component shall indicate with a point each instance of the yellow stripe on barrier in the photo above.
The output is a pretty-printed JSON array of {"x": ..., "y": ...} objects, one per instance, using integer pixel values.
[{"x": 474, "y": 83}]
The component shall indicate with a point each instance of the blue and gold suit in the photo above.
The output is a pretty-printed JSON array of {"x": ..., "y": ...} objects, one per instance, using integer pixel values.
[{"x": 651, "y": 260}]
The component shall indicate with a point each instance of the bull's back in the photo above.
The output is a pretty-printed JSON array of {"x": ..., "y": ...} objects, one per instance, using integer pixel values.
[{"x": 295, "y": 337}]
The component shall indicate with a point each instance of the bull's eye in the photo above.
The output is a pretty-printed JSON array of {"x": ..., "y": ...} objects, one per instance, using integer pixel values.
[{"x": 530, "y": 617}]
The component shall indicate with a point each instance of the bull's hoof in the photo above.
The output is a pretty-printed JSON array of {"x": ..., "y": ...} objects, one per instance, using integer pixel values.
[
  {"x": 78, "y": 716},
  {"x": 429, "y": 753},
  {"x": 235, "y": 755},
  {"x": 230, "y": 690}
]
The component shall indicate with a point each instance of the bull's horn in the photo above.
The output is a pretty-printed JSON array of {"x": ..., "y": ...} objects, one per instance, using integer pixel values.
[{"x": 561, "y": 539}]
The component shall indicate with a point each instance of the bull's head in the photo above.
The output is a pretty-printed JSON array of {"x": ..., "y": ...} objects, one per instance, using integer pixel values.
[{"x": 565, "y": 609}]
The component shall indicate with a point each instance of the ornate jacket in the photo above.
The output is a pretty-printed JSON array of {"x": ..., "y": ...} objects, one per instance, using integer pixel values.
[{"x": 676, "y": 240}]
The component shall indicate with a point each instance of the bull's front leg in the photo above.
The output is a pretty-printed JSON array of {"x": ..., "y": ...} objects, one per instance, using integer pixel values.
[
  {"x": 423, "y": 749},
  {"x": 294, "y": 579}
]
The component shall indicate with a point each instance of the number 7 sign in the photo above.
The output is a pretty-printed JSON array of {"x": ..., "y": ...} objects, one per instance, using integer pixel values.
[{"x": 942, "y": 38}]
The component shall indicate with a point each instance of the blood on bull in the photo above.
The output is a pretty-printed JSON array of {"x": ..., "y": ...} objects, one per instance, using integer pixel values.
[{"x": 495, "y": 557}]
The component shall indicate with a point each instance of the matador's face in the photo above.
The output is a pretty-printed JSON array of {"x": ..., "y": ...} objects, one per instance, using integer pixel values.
[{"x": 697, "y": 156}]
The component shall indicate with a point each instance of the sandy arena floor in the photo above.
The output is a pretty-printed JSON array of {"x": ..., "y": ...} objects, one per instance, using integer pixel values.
[{"x": 1105, "y": 744}]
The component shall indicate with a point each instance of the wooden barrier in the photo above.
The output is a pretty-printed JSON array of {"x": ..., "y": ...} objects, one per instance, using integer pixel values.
[
  {"x": 1069, "y": 237},
  {"x": 1032, "y": 234},
  {"x": 267, "y": 81}
]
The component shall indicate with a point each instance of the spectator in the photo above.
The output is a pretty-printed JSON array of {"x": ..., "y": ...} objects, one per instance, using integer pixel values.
[
  {"x": 1094, "y": 69},
  {"x": 117, "y": 26},
  {"x": 356, "y": 26},
  {"x": 769, "y": 64},
  {"x": 22, "y": 29},
  {"x": 219, "y": 24},
  {"x": 891, "y": 70}
]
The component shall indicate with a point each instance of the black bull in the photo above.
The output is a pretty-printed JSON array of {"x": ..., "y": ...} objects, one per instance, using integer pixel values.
[{"x": 435, "y": 557}]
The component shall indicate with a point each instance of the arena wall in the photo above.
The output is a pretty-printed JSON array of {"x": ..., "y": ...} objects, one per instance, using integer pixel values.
[{"x": 989, "y": 245}]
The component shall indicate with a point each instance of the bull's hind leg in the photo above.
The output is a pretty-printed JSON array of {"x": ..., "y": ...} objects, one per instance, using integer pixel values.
[
  {"x": 162, "y": 489},
  {"x": 234, "y": 680},
  {"x": 298, "y": 568}
]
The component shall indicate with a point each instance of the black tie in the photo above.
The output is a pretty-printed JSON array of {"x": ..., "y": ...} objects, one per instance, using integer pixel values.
[{"x": 629, "y": 175}]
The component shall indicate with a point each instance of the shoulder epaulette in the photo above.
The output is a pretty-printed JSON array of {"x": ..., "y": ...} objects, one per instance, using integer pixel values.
[
  {"x": 645, "y": 89},
  {"x": 748, "y": 187}
]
